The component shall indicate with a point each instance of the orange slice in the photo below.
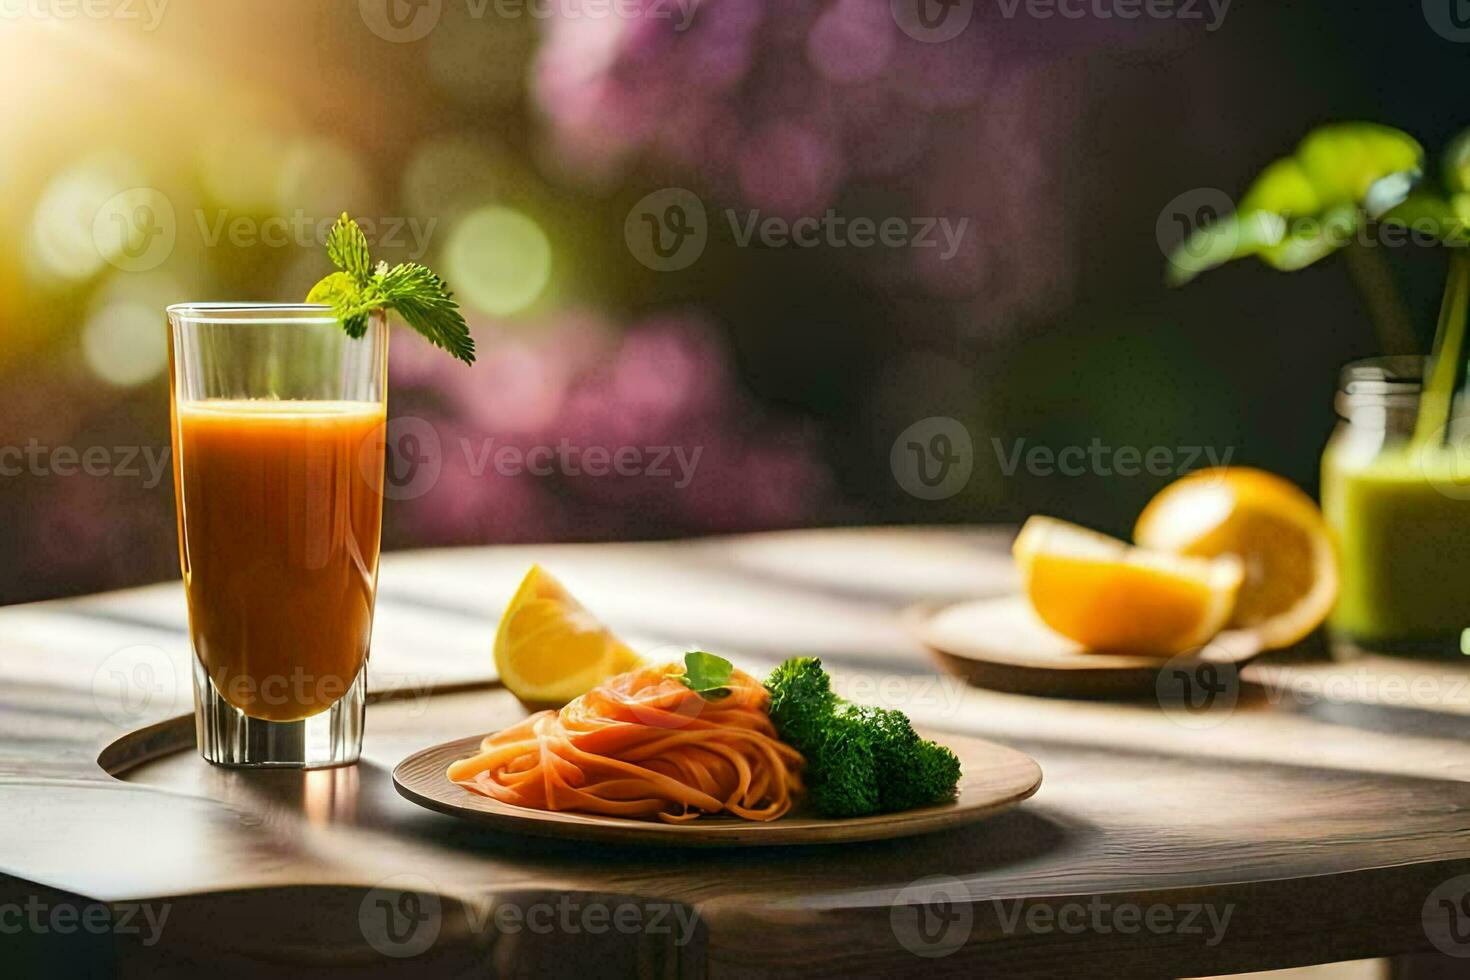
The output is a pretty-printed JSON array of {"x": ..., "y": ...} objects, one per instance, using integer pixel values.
[
  {"x": 549, "y": 649},
  {"x": 1271, "y": 526},
  {"x": 1112, "y": 597}
]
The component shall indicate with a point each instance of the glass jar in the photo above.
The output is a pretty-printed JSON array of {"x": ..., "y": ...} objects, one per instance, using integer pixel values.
[{"x": 1400, "y": 511}]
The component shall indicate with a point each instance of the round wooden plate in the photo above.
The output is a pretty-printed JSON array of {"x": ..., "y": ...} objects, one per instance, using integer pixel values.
[
  {"x": 999, "y": 643},
  {"x": 992, "y": 778}
]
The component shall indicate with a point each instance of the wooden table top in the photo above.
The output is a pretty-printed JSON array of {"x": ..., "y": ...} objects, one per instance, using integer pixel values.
[{"x": 1323, "y": 817}]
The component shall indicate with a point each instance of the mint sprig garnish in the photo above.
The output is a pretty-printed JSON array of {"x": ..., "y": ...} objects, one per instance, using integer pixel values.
[
  {"x": 706, "y": 674},
  {"x": 413, "y": 291}
]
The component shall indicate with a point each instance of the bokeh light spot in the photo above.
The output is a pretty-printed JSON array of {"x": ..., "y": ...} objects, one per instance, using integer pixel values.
[
  {"x": 321, "y": 178},
  {"x": 851, "y": 41},
  {"x": 451, "y": 174},
  {"x": 62, "y": 242},
  {"x": 498, "y": 259},
  {"x": 789, "y": 167},
  {"x": 124, "y": 344}
]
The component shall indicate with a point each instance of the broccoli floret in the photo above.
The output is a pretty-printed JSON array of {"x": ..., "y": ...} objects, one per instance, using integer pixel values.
[
  {"x": 841, "y": 763},
  {"x": 801, "y": 702},
  {"x": 859, "y": 760},
  {"x": 915, "y": 772},
  {"x": 842, "y": 768},
  {"x": 929, "y": 774},
  {"x": 892, "y": 728}
]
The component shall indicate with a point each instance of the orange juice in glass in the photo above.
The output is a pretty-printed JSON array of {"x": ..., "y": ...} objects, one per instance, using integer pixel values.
[{"x": 277, "y": 419}]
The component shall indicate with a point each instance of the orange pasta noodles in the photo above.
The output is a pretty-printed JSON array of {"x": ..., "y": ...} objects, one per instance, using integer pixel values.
[{"x": 643, "y": 745}]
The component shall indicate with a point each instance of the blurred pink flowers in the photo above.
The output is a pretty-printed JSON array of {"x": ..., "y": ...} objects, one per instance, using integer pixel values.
[
  {"x": 779, "y": 104},
  {"x": 573, "y": 431},
  {"x": 802, "y": 106}
]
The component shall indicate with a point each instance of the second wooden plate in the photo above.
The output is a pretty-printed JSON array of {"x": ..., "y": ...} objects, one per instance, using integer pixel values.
[
  {"x": 1000, "y": 644},
  {"x": 993, "y": 777}
]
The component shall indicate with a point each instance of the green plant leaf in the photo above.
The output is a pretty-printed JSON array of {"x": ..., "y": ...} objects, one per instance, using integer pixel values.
[
  {"x": 1311, "y": 238},
  {"x": 1389, "y": 192},
  {"x": 425, "y": 303},
  {"x": 347, "y": 247},
  {"x": 1304, "y": 207},
  {"x": 419, "y": 297},
  {"x": 1427, "y": 212},
  {"x": 1282, "y": 188},
  {"x": 1455, "y": 163},
  {"x": 1344, "y": 160},
  {"x": 334, "y": 289},
  {"x": 1231, "y": 237},
  {"x": 707, "y": 674}
]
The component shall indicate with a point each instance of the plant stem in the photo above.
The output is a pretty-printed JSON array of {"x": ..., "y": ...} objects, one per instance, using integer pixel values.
[
  {"x": 1445, "y": 363},
  {"x": 1391, "y": 320}
]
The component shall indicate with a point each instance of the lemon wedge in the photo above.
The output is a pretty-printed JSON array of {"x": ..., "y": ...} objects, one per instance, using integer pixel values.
[
  {"x": 1275, "y": 530},
  {"x": 1112, "y": 597},
  {"x": 549, "y": 649}
]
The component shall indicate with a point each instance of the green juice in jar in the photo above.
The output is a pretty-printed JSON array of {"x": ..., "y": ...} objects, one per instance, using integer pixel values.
[
  {"x": 1396, "y": 491},
  {"x": 1401, "y": 517}
]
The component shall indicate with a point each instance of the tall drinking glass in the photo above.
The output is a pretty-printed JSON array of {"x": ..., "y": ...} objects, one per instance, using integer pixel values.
[{"x": 277, "y": 419}]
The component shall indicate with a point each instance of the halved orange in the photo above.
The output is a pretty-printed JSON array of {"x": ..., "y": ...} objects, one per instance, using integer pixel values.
[
  {"x": 1271, "y": 526},
  {"x": 1114, "y": 598},
  {"x": 549, "y": 649}
]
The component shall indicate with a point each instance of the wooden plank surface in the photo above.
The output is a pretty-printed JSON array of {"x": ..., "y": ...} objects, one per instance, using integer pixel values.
[{"x": 1316, "y": 817}]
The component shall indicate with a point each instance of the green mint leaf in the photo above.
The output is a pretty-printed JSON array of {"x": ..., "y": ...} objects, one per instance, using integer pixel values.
[
  {"x": 410, "y": 280},
  {"x": 425, "y": 303},
  {"x": 707, "y": 674},
  {"x": 347, "y": 247},
  {"x": 419, "y": 297},
  {"x": 339, "y": 287},
  {"x": 355, "y": 324}
]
